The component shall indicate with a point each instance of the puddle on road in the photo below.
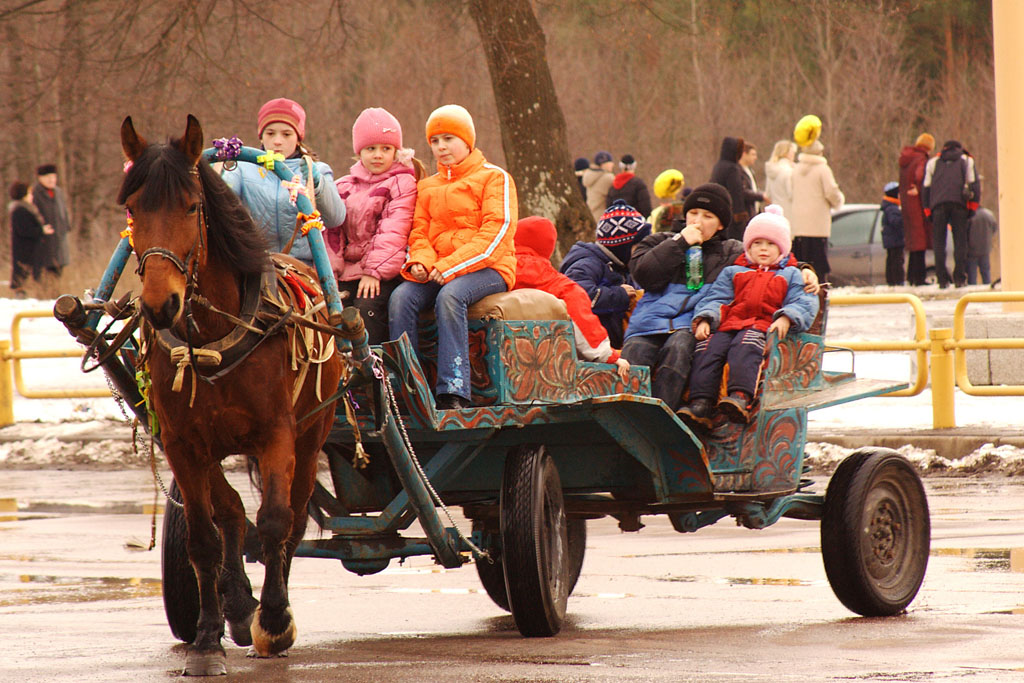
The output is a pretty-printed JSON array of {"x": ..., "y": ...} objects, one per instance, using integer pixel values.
[
  {"x": 44, "y": 589},
  {"x": 743, "y": 580},
  {"x": 987, "y": 559}
]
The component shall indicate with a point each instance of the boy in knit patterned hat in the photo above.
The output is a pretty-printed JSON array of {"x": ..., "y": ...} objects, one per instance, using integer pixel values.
[
  {"x": 601, "y": 268},
  {"x": 762, "y": 292}
]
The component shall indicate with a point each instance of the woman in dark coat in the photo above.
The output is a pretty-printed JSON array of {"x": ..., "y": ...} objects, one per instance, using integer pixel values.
[
  {"x": 917, "y": 229},
  {"x": 27, "y": 230}
]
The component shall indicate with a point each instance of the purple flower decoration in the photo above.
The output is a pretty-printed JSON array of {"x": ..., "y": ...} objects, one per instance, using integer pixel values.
[{"x": 228, "y": 149}]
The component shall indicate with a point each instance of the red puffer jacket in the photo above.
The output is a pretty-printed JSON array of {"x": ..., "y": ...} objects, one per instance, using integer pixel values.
[{"x": 535, "y": 242}]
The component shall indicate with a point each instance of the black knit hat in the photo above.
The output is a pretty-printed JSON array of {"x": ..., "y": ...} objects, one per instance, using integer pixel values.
[
  {"x": 46, "y": 169},
  {"x": 714, "y": 198}
]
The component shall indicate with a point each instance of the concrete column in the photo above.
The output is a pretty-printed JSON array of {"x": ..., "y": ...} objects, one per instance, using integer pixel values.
[{"x": 1007, "y": 28}]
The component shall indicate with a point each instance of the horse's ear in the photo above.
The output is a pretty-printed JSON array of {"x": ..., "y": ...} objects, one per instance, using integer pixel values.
[
  {"x": 131, "y": 142},
  {"x": 191, "y": 144}
]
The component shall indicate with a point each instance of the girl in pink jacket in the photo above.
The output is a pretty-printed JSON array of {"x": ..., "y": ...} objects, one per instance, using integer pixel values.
[{"x": 368, "y": 250}]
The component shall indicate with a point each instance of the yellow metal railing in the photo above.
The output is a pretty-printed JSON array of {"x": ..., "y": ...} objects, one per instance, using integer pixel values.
[
  {"x": 960, "y": 345},
  {"x": 11, "y": 356},
  {"x": 944, "y": 349},
  {"x": 920, "y": 344}
]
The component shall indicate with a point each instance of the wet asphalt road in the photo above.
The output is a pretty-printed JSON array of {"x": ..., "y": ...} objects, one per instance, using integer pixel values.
[{"x": 724, "y": 604}]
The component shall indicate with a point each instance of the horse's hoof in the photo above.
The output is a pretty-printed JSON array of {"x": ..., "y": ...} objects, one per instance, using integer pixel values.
[
  {"x": 252, "y": 654},
  {"x": 270, "y": 644},
  {"x": 206, "y": 663},
  {"x": 240, "y": 631}
]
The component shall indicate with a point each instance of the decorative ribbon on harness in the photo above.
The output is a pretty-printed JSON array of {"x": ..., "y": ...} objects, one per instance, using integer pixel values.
[
  {"x": 182, "y": 356},
  {"x": 295, "y": 187},
  {"x": 129, "y": 229},
  {"x": 228, "y": 149},
  {"x": 311, "y": 221},
  {"x": 268, "y": 159}
]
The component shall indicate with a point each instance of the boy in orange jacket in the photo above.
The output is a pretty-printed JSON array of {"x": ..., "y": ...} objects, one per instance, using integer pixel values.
[{"x": 461, "y": 247}]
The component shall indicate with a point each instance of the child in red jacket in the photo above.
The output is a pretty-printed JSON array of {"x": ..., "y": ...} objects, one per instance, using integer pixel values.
[{"x": 535, "y": 242}]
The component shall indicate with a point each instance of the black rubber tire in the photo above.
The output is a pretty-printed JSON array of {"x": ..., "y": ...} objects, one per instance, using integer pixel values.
[
  {"x": 180, "y": 588},
  {"x": 576, "y": 530},
  {"x": 534, "y": 541},
  {"x": 875, "y": 532},
  {"x": 492, "y": 574}
]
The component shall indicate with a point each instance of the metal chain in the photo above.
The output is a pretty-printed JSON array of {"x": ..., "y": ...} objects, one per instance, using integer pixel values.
[{"x": 385, "y": 378}]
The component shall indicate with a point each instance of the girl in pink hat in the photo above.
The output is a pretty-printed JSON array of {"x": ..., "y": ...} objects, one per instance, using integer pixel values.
[{"x": 368, "y": 250}]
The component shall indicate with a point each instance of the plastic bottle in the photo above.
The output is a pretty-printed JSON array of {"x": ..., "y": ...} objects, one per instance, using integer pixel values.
[{"x": 694, "y": 267}]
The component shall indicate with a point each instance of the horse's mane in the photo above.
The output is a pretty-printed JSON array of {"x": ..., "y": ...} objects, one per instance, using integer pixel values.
[{"x": 163, "y": 174}]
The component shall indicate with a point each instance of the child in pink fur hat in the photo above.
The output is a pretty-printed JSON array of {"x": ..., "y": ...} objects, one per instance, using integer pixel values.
[
  {"x": 762, "y": 292},
  {"x": 367, "y": 251}
]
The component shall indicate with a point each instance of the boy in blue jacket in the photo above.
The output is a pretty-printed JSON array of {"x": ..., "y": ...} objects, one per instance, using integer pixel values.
[
  {"x": 601, "y": 268},
  {"x": 762, "y": 292}
]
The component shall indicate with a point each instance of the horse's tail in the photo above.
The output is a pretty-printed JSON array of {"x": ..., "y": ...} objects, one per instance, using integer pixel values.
[{"x": 252, "y": 466}]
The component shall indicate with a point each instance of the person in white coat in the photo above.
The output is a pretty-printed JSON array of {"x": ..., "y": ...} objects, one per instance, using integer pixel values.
[
  {"x": 815, "y": 194},
  {"x": 779, "y": 171}
]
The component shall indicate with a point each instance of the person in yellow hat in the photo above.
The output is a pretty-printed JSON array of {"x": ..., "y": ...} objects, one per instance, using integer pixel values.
[{"x": 668, "y": 188}]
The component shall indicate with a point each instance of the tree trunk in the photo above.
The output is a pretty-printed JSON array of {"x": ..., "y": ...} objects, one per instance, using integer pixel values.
[{"x": 533, "y": 132}]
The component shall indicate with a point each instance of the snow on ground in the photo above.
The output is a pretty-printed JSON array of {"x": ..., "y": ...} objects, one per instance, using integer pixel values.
[{"x": 50, "y": 426}]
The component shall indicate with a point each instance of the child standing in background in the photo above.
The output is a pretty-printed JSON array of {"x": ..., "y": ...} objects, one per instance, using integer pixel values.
[
  {"x": 535, "y": 242},
  {"x": 762, "y": 293},
  {"x": 368, "y": 250},
  {"x": 892, "y": 234},
  {"x": 461, "y": 248}
]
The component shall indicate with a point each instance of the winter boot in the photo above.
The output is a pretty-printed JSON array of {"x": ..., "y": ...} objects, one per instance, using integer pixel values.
[
  {"x": 736, "y": 407},
  {"x": 696, "y": 413}
]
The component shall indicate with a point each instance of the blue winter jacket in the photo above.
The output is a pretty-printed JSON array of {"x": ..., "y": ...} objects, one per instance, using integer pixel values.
[
  {"x": 261, "y": 192},
  {"x": 658, "y": 266},
  {"x": 892, "y": 225},
  {"x": 601, "y": 275}
]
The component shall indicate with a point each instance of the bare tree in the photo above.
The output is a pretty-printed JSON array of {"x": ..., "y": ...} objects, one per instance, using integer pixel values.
[{"x": 533, "y": 132}]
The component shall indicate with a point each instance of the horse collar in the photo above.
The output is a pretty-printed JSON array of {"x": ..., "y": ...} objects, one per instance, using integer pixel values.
[{"x": 242, "y": 340}]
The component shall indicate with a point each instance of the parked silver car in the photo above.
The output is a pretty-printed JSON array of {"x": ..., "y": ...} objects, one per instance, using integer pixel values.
[{"x": 855, "y": 250}]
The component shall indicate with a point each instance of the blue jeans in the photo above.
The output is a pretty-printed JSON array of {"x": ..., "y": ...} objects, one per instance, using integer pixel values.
[{"x": 450, "y": 302}]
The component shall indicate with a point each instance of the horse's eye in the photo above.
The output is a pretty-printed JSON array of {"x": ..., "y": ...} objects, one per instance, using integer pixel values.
[{"x": 193, "y": 208}]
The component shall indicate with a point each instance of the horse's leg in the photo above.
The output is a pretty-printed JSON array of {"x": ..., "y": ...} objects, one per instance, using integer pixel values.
[
  {"x": 234, "y": 587},
  {"x": 206, "y": 656},
  {"x": 307, "y": 452},
  {"x": 273, "y": 629}
]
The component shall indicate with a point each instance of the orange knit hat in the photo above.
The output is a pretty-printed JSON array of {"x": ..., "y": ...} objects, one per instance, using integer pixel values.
[
  {"x": 926, "y": 141},
  {"x": 453, "y": 119}
]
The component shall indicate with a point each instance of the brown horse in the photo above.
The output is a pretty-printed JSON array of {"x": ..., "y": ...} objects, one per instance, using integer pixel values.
[{"x": 198, "y": 253}]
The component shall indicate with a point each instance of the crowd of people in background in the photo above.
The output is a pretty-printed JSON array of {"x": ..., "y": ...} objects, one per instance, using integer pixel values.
[{"x": 936, "y": 195}]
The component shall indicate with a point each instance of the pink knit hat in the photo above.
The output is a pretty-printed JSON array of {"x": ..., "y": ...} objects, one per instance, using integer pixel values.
[
  {"x": 376, "y": 126},
  {"x": 282, "y": 110},
  {"x": 770, "y": 225}
]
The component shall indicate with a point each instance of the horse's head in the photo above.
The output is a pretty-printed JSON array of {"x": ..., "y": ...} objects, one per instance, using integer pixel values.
[{"x": 163, "y": 194}]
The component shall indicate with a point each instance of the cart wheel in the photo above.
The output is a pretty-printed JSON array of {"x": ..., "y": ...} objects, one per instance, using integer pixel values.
[
  {"x": 875, "y": 532},
  {"x": 534, "y": 541},
  {"x": 180, "y": 589},
  {"x": 492, "y": 574}
]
